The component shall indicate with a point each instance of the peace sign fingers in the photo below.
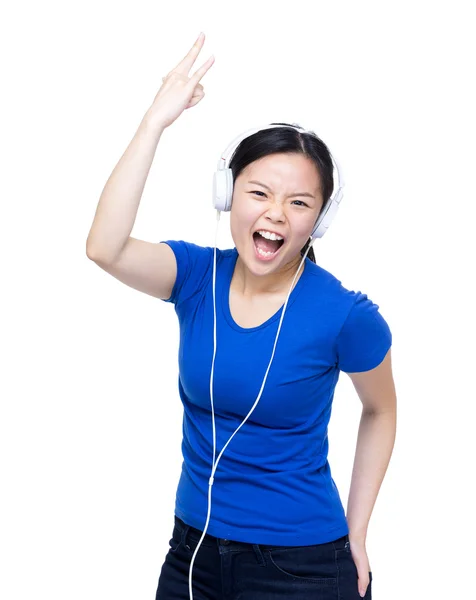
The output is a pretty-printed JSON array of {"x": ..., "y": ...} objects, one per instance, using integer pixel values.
[{"x": 178, "y": 90}]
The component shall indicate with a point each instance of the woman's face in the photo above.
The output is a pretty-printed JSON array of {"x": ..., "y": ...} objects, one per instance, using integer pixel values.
[{"x": 279, "y": 194}]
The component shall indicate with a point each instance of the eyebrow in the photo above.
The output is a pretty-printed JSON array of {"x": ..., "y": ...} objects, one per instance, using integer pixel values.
[{"x": 290, "y": 195}]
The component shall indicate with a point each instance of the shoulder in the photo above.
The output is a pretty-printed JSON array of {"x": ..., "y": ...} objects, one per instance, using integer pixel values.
[
  {"x": 332, "y": 286},
  {"x": 194, "y": 267},
  {"x": 362, "y": 334},
  {"x": 195, "y": 253}
]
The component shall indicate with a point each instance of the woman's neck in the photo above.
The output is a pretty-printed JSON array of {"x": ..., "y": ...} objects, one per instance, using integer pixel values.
[{"x": 249, "y": 284}]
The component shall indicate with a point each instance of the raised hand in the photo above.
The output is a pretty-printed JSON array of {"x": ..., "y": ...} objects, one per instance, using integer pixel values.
[{"x": 180, "y": 91}]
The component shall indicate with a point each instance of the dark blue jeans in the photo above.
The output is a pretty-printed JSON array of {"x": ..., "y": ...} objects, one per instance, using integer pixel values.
[{"x": 228, "y": 570}]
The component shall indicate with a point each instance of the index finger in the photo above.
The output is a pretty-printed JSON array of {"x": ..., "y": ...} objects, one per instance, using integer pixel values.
[{"x": 186, "y": 63}]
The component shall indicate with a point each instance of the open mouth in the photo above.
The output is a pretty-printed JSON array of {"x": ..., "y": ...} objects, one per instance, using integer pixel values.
[{"x": 266, "y": 248}]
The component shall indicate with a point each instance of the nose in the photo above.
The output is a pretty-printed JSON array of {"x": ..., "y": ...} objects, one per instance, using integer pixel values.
[{"x": 275, "y": 212}]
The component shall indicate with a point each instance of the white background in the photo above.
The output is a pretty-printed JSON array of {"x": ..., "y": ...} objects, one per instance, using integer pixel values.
[{"x": 90, "y": 427}]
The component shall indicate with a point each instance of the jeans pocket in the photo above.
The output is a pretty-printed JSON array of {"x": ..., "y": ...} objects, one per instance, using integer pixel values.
[
  {"x": 348, "y": 574},
  {"x": 345, "y": 554},
  {"x": 304, "y": 563}
]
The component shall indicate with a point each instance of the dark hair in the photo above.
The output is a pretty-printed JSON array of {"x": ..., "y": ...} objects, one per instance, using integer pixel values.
[{"x": 287, "y": 139}]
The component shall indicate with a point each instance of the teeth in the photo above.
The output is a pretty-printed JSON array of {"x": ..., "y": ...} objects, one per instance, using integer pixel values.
[
  {"x": 263, "y": 253},
  {"x": 270, "y": 236}
]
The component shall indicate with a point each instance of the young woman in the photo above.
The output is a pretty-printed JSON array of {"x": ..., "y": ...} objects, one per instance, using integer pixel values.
[{"x": 265, "y": 519}]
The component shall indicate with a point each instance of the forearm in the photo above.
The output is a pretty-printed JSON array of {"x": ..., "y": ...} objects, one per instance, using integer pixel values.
[
  {"x": 374, "y": 448},
  {"x": 119, "y": 202}
]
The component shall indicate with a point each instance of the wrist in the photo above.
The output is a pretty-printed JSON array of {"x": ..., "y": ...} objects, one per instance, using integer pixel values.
[
  {"x": 358, "y": 535},
  {"x": 152, "y": 123}
]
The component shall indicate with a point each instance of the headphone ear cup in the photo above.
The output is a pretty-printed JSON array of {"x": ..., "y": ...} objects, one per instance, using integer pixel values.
[
  {"x": 223, "y": 189},
  {"x": 324, "y": 221}
]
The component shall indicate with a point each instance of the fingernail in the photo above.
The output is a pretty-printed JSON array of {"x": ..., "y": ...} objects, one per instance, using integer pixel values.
[{"x": 362, "y": 594}]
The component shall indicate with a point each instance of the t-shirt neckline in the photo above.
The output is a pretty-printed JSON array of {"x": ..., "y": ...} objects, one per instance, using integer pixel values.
[{"x": 225, "y": 297}]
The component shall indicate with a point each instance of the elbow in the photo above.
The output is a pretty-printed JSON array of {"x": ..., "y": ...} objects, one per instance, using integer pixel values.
[
  {"x": 90, "y": 252},
  {"x": 100, "y": 257},
  {"x": 93, "y": 254}
]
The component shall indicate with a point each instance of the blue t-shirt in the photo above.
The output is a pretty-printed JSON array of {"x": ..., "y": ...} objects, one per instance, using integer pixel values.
[{"x": 273, "y": 484}]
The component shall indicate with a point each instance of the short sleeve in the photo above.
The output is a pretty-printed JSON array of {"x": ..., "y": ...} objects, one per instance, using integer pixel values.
[
  {"x": 365, "y": 337},
  {"x": 194, "y": 265}
]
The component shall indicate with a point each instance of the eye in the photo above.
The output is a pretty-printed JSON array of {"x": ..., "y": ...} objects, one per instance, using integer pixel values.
[
  {"x": 302, "y": 203},
  {"x": 258, "y": 192}
]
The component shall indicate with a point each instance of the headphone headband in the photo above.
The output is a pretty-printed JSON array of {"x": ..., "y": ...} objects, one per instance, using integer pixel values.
[{"x": 228, "y": 152}]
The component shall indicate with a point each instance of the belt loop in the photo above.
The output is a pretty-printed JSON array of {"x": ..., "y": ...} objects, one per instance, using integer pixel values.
[{"x": 259, "y": 555}]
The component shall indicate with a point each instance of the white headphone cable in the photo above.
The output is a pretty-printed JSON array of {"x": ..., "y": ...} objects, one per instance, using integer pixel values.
[
  {"x": 214, "y": 465},
  {"x": 210, "y": 483}
]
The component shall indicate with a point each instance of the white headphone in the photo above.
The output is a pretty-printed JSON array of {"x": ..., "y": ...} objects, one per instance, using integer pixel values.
[{"x": 223, "y": 183}]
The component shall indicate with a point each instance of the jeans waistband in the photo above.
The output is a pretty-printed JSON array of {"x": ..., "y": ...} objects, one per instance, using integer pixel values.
[{"x": 210, "y": 540}]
